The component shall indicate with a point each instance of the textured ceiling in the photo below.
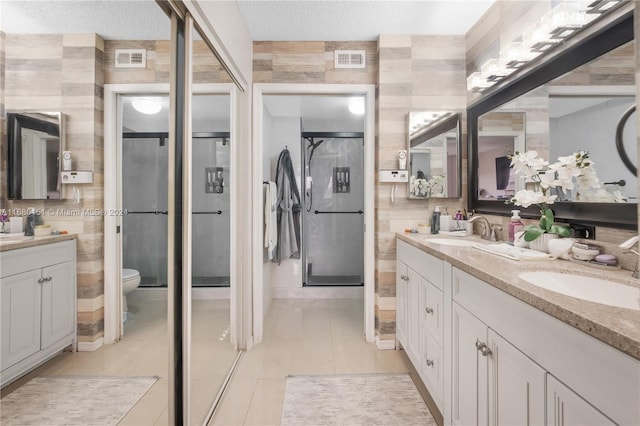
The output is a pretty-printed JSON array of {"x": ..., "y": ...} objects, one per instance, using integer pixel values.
[
  {"x": 358, "y": 20},
  {"x": 111, "y": 19},
  {"x": 266, "y": 20}
]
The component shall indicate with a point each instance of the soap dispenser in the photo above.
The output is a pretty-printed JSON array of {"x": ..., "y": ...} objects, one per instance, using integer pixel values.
[
  {"x": 435, "y": 221},
  {"x": 31, "y": 222},
  {"x": 515, "y": 225}
]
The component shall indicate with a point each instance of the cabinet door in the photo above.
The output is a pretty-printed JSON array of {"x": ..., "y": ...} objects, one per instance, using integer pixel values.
[
  {"x": 516, "y": 385},
  {"x": 469, "y": 375},
  {"x": 20, "y": 316},
  {"x": 401, "y": 301},
  {"x": 567, "y": 408},
  {"x": 433, "y": 368},
  {"x": 432, "y": 310},
  {"x": 414, "y": 318},
  {"x": 58, "y": 302}
]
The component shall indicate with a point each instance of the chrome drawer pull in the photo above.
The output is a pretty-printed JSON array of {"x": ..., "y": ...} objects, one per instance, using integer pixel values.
[
  {"x": 430, "y": 363},
  {"x": 429, "y": 310},
  {"x": 482, "y": 347}
]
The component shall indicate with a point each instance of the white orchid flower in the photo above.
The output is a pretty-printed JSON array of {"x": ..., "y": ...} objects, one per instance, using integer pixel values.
[{"x": 526, "y": 198}]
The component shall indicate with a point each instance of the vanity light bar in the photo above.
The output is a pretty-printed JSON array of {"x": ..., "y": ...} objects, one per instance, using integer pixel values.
[
  {"x": 475, "y": 83},
  {"x": 603, "y": 6},
  {"x": 560, "y": 23}
]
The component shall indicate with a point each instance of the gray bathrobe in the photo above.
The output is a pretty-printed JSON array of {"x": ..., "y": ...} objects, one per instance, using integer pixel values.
[{"x": 288, "y": 209}]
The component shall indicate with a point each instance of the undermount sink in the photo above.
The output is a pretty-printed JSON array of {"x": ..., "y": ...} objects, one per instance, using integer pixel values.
[
  {"x": 586, "y": 288},
  {"x": 450, "y": 242}
]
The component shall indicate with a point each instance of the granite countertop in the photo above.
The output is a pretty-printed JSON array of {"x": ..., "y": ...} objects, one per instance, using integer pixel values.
[
  {"x": 24, "y": 242},
  {"x": 617, "y": 327}
]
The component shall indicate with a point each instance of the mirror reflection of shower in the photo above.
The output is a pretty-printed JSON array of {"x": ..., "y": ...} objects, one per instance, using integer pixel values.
[{"x": 144, "y": 193}]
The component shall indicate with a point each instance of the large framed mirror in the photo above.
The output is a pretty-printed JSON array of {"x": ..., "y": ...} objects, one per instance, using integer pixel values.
[
  {"x": 434, "y": 147},
  {"x": 35, "y": 142},
  {"x": 575, "y": 101}
]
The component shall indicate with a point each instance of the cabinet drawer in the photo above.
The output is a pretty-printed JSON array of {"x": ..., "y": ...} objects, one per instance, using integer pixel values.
[
  {"x": 430, "y": 267},
  {"x": 16, "y": 261},
  {"x": 432, "y": 310}
]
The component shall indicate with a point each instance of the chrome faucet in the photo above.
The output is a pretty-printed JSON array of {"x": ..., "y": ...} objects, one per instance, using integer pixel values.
[
  {"x": 488, "y": 229},
  {"x": 628, "y": 245}
]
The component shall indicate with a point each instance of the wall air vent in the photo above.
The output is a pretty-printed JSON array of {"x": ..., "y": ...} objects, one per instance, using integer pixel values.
[
  {"x": 349, "y": 59},
  {"x": 131, "y": 58}
]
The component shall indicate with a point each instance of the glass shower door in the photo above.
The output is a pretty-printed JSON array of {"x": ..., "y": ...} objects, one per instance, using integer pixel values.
[
  {"x": 333, "y": 227},
  {"x": 211, "y": 218},
  {"x": 144, "y": 197}
]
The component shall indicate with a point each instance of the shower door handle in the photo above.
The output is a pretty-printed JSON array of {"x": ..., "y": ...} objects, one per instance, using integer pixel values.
[{"x": 319, "y": 212}]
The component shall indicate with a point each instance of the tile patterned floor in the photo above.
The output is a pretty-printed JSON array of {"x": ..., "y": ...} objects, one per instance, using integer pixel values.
[
  {"x": 143, "y": 351},
  {"x": 302, "y": 336}
]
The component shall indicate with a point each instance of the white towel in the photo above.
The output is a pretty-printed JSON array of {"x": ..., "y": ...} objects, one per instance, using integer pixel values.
[{"x": 271, "y": 218}]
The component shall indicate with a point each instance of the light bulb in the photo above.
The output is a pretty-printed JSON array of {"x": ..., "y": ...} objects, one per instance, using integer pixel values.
[
  {"x": 147, "y": 105},
  {"x": 356, "y": 106}
]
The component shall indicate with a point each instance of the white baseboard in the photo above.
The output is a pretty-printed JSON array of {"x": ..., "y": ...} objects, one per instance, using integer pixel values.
[
  {"x": 385, "y": 345},
  {"x": 90, "y": 346},
  {"x": 317, "y": 292}
]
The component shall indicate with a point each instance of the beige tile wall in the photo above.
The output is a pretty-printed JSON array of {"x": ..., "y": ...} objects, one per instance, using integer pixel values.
[
  {"x": 417, "y": 73},
  {"x": 310, "y": 62},
  {"x": 206, "y": 67},
  {"x": 64, "y": 73}
]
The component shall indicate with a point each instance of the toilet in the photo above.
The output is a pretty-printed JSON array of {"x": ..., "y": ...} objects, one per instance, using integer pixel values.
[{"x": 130, "y": 281}]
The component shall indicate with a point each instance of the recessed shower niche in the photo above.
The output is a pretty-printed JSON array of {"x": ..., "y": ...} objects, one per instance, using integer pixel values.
[{"x": 341, "y": 180}]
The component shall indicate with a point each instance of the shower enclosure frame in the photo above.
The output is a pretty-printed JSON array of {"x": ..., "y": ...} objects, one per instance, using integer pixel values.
[
  {"x": 362, "y": 90},
  {"x": 162, "y": 137},
  {"x": 309, "y": 137}
]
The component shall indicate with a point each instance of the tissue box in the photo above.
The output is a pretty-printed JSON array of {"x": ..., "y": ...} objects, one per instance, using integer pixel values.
[
  {"x": 42, "y": 230},
  {"x": 15, "y": 225}
]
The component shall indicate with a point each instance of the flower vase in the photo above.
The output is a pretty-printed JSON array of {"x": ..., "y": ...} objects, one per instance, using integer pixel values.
[{"x": 542, "y": 242}]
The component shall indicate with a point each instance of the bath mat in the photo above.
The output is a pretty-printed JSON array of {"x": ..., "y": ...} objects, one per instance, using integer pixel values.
[
  {"x": 350, "y": 399},
  {"x": 73, "y": 400}
]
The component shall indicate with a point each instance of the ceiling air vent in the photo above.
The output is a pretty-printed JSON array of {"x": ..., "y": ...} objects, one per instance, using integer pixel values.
[
  {"x": 349, "y": 59},
  {"x": 131, "y": 58}
]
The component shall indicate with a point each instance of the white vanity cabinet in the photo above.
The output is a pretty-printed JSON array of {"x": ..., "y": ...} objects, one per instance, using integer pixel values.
[
  {"x": 489, "y": 358},
  {"x": 514, "y": 364},
  {"x": 38, "y": 301},
  {"x": 419, "y": 315}
]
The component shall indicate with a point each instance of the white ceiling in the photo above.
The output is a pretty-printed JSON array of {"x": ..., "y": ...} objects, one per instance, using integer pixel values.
[
  {"x": 111, "y": 19},
  {"x": 266, "y": 20},
  {"x": 358, "y": 20}
]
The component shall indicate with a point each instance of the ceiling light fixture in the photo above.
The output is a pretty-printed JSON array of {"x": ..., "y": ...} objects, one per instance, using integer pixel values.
[
  {"x": 147, "y": 105},
  {"x": 559, "y": 24},
  {"x": 356, "y": 106}
]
